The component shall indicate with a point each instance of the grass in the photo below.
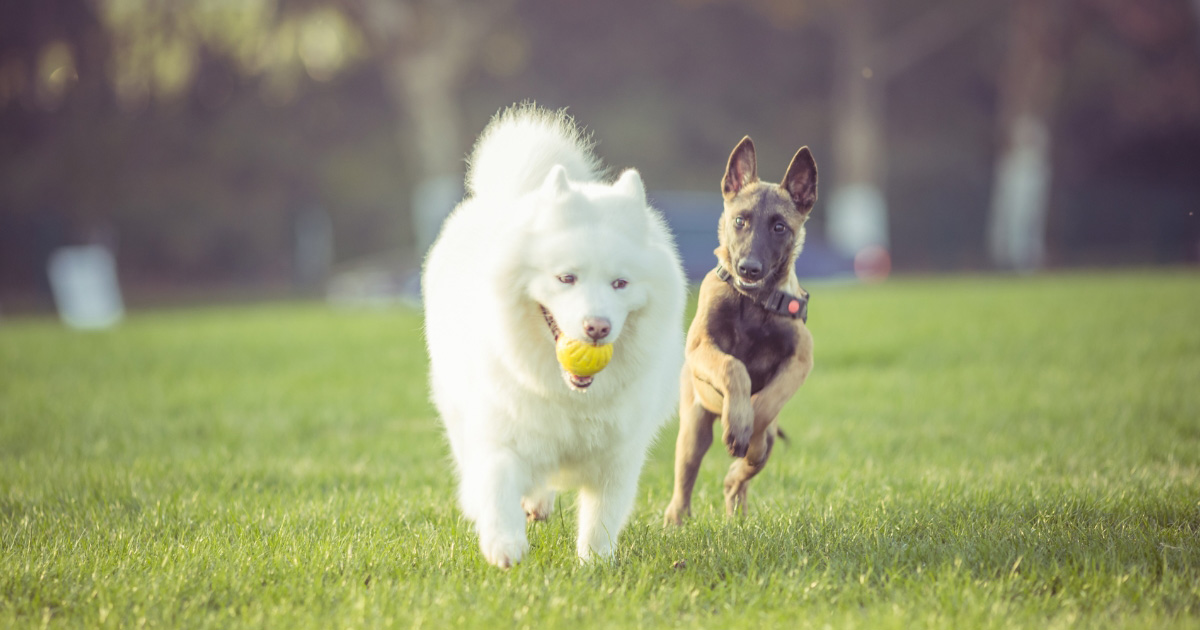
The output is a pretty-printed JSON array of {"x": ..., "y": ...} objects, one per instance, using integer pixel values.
[{"x": 969, "y": 453}]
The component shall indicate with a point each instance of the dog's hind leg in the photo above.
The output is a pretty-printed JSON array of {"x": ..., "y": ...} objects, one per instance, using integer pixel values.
[
  {"x": 538, "y": 503},
  {"x": 737, "y": 481},
  {"x": 695, "y": 437}
]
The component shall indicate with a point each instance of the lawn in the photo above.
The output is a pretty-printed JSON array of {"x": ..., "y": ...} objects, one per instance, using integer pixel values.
[{"x": 971, "y": 452}]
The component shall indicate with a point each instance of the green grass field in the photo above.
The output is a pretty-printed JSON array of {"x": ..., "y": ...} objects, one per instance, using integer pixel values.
[{"x": 968, "y": 453}]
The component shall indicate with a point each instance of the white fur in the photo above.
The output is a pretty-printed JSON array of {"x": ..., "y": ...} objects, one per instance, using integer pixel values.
[{"x": 518, "y": 431}]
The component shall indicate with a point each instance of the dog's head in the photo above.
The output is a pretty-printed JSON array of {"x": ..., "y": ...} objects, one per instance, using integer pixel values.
[
  {"x": 762, "y": 228},
  {"x": 590, "y": 262}
]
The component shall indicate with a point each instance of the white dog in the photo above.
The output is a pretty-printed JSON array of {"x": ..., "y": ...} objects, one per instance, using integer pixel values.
[{"x": 542, "y": 247}]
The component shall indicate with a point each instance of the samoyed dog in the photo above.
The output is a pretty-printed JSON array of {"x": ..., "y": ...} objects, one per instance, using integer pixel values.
[{"x": 543, "y": 246}]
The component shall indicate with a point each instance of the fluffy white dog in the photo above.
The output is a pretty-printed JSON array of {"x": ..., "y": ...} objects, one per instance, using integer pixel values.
[{"x": 542, "y": 247}]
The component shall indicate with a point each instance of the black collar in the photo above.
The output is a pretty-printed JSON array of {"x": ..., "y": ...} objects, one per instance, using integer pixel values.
[{"x": 778, "y": 302}]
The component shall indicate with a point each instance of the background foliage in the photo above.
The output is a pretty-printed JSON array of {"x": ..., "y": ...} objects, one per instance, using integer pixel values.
[{"x": 191, "y": 134}]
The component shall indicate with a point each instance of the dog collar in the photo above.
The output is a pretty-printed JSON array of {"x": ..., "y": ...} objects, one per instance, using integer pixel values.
[{"x": 778, "y": 302}]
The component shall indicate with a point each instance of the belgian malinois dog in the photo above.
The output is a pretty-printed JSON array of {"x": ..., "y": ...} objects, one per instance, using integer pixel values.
[{"x": 748, "y": 348}]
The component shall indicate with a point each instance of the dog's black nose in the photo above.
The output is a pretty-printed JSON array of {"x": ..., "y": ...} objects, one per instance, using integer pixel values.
[
  {"x": 749, "y": 268},
  {"x": 597, "y": 327}
]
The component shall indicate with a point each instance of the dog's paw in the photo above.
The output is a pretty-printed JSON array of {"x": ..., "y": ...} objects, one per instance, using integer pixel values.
[
  {"x": 675, "y": 515},
  {"x": 735, "y": 497},
  {"x": 737, "y": 439},
  {"x": 503, "y": 551},
  {"x": 600, "y": 551},
  {"x": 537, "y": 508},
  {"x": 738, "y": 421}
]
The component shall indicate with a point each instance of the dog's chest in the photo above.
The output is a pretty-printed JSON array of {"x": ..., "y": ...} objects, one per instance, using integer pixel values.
[{"x": 761, "y": 341}]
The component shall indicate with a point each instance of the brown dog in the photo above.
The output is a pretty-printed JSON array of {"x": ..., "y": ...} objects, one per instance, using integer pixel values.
[{"x": 748, "y": 349}]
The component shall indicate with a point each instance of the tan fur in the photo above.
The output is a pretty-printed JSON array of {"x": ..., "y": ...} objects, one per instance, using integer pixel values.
[{"x": 716, "y": 384}]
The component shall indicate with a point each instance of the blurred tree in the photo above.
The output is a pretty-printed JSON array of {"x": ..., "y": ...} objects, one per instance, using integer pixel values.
[
  {"x": 158, "y": 47},
  {"x": 193, "y": 163},
  {"x": 1136, "y": 57},
  {"x": 868, "y": 57},
  {"x": 1021, "y": 185},
  {"x": 201, "y": 129},
  {"x": 424, "y": 51},
  {"x": 147, "y": 55},
  {"x": 45, "y": 49},
  {"x": 1196, "y": 16}
]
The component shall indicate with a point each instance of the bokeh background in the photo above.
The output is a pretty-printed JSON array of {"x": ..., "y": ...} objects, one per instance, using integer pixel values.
[{"x": 224, "y": 149}]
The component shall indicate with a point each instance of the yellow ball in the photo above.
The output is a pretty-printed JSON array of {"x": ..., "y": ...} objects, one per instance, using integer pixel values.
[{"x": 581, "y": 358}]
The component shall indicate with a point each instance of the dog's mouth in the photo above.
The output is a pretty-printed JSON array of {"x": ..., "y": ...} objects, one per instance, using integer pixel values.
[
  {"x": 750, "y": 286},
  {"x": 576, "y": 382},
  {"x": 580, "y": 383}
]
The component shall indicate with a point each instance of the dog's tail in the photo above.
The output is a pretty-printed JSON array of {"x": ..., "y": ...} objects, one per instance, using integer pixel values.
[{"x": 520, "y": 146}]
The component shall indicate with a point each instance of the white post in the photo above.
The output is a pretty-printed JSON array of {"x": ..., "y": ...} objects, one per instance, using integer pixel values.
[
  {"x": 1020, "y": 195},
  {"x": 83, "y": 281}
]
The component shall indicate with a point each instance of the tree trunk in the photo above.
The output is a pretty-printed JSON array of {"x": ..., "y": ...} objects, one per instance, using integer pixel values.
[
  {"x": 425, "y": 52},
  {"x": 1021, "y": 186},
  {"x": 857, "y": 208},
  {"x": 1196, "y": 10},
  {"x": 866, "y": 61},
  {"x": 426, "y": 87}
]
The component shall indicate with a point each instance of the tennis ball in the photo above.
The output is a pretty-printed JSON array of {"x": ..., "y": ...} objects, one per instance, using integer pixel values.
[{"x": 581, "y": 358}]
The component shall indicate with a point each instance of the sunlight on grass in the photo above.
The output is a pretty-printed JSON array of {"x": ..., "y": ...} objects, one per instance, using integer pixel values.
[{"x": 969, "y": 452}]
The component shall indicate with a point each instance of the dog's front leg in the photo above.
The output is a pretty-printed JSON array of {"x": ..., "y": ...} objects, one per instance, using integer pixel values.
[
  {"x": 496, "y": 483},
  {"x": 769, "y": 401},
  {"x": 604, "y": 504},
  {"x": 767, "y": 404},
  {"x": 724, "y": 382}
]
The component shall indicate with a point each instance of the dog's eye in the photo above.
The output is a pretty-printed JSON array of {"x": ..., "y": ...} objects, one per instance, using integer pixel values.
[
  {"x": 620, "y": 283},
  {"x": 780, "y": 228},
  {"x": 739, "y": 222},
  {"x": 567, "y": 278}
]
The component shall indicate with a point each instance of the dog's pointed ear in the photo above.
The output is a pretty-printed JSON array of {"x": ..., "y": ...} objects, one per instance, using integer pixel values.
[
  {"x": 742, "y": 170},
  {"x": 556, "y": 183},
  {"x": 800, "y": 181},
  {"x": 630, "y": 184}
]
